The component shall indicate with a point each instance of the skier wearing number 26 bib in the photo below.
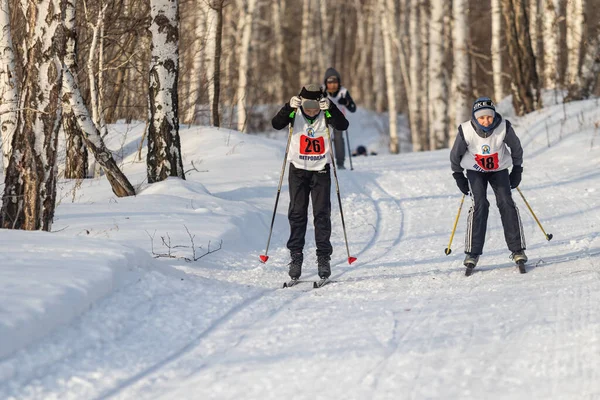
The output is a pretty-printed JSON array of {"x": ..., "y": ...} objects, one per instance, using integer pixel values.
[
  {"x": 309, "y": 156},
  {"x": 482, "y": 149}
]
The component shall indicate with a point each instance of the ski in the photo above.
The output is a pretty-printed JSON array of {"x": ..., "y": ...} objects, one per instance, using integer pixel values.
[
  {"x": 521, "y": 265},
  {"x": 320, "y": 283},
  {"x": 290, "y": 283}
]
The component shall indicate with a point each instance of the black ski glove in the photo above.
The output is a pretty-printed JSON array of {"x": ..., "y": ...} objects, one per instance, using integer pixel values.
[
  {"x": 343, "y": 101},
  {"x": 515, "y": 176},
  {"x": 462, "y": 182}
]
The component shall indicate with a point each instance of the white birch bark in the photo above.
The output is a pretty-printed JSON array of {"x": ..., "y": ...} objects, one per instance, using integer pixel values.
[
  {"x": 307, "y": 46},
  {"x": 164, "y": 148},
  {"x": 590, "y": 70},
  {"x": 76, "y": 165},
  {"x": 30, "y": 186},
  {"x": 277, "y": 11},
  {"x": 326, "y": 53},
  {"x": 425, "y": 17},
  {"x": 414, "y": 102},
  {"x": 438, "y": 89},
  {"x": 198, "y": 56},
  {"x": 93, "y": 139},
  {"x": 497, "y": 34},
  {"x": 575, "y": 32},
  {"x": 211, "y": 41},
  {"x": 248, "y": 8},
  {"x": 551, "y": 35},
  {"x": 377, "y": 66},
  {"x": 461, "y": 74},
  {"x": 386, "y": 18},
  {"x": 9, "y": 92},
  {"x": 534, "y": 19}
]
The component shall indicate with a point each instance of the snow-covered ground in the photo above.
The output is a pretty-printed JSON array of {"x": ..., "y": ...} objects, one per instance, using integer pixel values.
[{"x": 86, "y": 312}]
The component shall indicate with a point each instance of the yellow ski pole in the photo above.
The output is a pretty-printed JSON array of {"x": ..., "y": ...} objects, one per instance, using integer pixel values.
[
  {"x": 448, "y": 249},
  {"x": 548, "y": 235}
]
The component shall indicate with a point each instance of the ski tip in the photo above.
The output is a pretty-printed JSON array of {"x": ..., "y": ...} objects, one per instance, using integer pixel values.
[
  {"x": 351, "y": 260},
  {"x": 284, "y": 285},
  {"x": 549, "y": 237},
  {"x": 315, "y": 285},
  {"x": 264, "y": 258},
  {"x": 447, "y": 251}
]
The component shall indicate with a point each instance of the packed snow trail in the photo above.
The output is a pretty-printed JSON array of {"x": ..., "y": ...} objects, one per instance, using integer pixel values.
[{"x": 401, "y": 322}]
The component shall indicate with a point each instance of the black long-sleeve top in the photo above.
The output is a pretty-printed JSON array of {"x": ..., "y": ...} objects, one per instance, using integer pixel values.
[{"x": 333, "y": 117}]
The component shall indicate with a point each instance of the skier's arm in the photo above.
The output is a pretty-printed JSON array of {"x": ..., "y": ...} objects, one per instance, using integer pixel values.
[
  {"x": 336, "y": 118},
  {"x": 458, "y": 151},
  {"x": 348, "y": 102},
  {"x": 514, "y": 144},
  {"x": 283, "y": 117}
]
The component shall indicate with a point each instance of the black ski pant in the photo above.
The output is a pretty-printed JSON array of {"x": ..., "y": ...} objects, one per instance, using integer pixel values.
[
  {"x": 317, "y": 185},
  {"x": 478, "y": 214},
  {"x": 339, "y": 147}
]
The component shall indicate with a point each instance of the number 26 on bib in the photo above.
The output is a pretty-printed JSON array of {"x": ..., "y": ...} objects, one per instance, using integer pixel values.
[
  {"x": 310, "y": 145},
  {"x": 488, "y": 162}
]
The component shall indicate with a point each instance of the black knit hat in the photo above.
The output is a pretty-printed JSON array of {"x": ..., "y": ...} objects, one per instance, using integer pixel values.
[{"x": 312, "y": 92}]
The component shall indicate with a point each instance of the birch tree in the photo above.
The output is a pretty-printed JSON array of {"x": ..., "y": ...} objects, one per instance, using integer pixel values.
[
  {"x": 30, "y": 181},
  {"x": 277, "y": 12},
  {"x": 461, "y": 76},
  {"x": 414, "y": 104},
  {"x": 386, "y": 14},
  {"x": 77, "y": 156},
  {"x": 496, "y": 49},
  {"x": 551, "y": 35},
  {"x": 575, "y": 31},
  {"x": 164, "y": 148},
  {"x": 585, "y": 82},
  {"x": 438, "y": 87},
  {"x": 247, "y": 8},
  {"x": 524, "y": 85},
  {"x": 197, "y": 50},
  {"x": 213, "y": 52},
  {"x": 9, "y": 92},
  {"x": 92, "y": 137}
]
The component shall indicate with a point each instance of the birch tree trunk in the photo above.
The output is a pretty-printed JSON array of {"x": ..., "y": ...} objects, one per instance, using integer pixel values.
[
  {"x": 386, "y": 31},
  {"x": 9, "y": 92},
  {"x": 164, "y": 148},
  {"x": 551, "y": 34},
  {"x": 525, "y": 84},
  {"x": 248, "y": 8},
  {"x": 461, "y": 75},
  {"x": 590, "y": 70},
  {"x": 92, "y": 137},
  {"x": 308, "y": 46},
  {"x": 326, "y": 53},
  {"x": 497, "y": 50},
  {"x": 438, "y": 87},
  {"x": 424, "y": 15},
  {"x": 213, "y": 62},
  {"x": 77, "y": 156},
  {"x": 198, "y": 53},
  {"x": 30, "y": 181},
  {"x": 377, "y": 66},
  {"x": 575, "y": 31},
  {"x": 414, "y": 103},
  {"x": 277, "y": 14}
]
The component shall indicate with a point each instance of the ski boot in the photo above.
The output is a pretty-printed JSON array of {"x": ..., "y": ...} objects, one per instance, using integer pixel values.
[
  {"x": 296, "y": 265},
  {"x": 520, "y": 259},
  {"x": 470, "y": 262},
  {"x": 323, "y": 266}
]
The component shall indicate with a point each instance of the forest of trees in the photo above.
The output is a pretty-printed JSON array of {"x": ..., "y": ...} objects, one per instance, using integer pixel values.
[{"x": 70, "y": 67}]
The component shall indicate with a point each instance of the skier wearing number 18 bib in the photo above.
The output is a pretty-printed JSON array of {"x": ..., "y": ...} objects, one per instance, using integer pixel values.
[
  {"x": 309, "y": 154},
  {"x": 482, "y": 149}
]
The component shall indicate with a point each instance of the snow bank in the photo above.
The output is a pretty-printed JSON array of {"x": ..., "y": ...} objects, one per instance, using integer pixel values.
[{"x": 46, "y": 280}]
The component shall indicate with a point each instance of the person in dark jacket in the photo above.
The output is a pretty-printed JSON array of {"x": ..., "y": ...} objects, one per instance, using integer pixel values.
[
  {"x": 482, "y": 148},
  {"x": 309, "y": 155},
  {"x": 341, "y": 97}
]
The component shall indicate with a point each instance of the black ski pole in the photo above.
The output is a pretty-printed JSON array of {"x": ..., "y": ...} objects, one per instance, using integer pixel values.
[
  {"x": 265, "y": 257},
  {"x": 337, "y": 188},
  {"x": 349, "y": 151}
]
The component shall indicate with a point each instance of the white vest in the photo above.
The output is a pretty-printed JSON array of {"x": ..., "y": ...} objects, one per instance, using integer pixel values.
[
  {"x": 309, "y": 147},
  {"x": 485, "y": 154},
  {"x": 341, "y": 93}
]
